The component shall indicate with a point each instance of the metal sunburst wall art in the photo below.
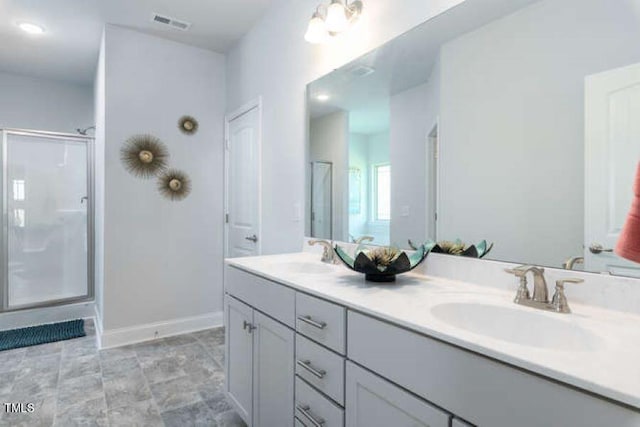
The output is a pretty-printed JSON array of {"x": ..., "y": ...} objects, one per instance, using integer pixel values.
[
  {"x": 174, "y": 184},
  {"x": 144, "y": 156},
  {"x": 188, "y": 125}
]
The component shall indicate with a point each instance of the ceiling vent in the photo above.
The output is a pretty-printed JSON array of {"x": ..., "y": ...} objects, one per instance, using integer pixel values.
[
  {"x": 170, "y": 22},
  {"x": 361, "y": 70}
]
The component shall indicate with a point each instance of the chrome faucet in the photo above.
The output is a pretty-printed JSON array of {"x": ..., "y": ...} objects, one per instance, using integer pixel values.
[
  {"x": 362, "y": 239},
  {"x": 328, "y": 255},
  {"x": 571, "y": 262},
  {"x": 540, "y": 298}
]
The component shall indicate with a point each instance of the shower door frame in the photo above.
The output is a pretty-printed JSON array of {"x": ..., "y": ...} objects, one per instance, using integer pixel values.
[{"x": 4, "y": 246}]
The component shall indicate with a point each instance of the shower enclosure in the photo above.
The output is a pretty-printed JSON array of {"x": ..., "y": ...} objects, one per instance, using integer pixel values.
[{"x": 47, "y": 219}]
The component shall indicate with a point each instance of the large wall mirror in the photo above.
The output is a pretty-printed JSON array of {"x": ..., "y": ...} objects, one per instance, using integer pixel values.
[{"x": 511, "y": 121}]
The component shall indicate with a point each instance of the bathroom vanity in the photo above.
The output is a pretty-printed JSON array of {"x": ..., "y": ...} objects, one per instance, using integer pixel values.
[{"x": 312, "y": 344}]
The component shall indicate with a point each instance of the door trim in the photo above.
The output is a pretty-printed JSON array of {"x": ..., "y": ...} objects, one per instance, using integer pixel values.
[
  {"x": 4, "y": 216},
  {"x": 228, "y": 118}
]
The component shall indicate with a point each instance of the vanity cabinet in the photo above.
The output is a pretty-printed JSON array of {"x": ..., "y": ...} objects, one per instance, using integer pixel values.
[
  {"x": 294, "y": 359},
  {"x": 376, "y": 402},
  {"x": 259, "y": 365}
]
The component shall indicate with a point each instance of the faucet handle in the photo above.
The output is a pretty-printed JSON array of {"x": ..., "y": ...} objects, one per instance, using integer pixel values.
[
  {"x": 523, "y": 289},
  {"x": 559, "y": 301}
]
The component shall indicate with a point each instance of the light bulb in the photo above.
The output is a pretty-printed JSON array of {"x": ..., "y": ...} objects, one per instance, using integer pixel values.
[
  {"x": 337, "y": 20},
  {"x": 30, "y": 28},
  {"x": 317, "y": 30}
]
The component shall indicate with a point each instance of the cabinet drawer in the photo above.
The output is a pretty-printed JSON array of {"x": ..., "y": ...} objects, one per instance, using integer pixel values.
[
  {"x": 321, "y": 321},
  {"x": 374, "y": 402},
  {"x": 315, "y": 410},
  {"x": 321, "y": 368},
  {"x": 276, "y": 300},
  {"x": 476, "y": 388}
]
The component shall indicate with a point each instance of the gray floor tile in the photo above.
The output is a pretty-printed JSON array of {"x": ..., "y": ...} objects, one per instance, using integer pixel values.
[
  {"x": 178, "y": 340},
  {"x": 78, "y": 390},
  {"x": 79, "y": 348},
  {"x": 140, "y": 414},
  {"x": 175, "y": 393},
  {"x": 211, "y": 336},
  {"x": 6, "y": 381},
  {"x": 164, "y": 369},
  {"x": 218, "y": 403},
  {"x": 11, "y": 359},
  {"x": 74, "y": 384},
  {"x": 44, "y": 349},
  {"x": 79, "y": 366},
  {"x": 126, "y": 390},
  {"x": 40, "y": 365},
  {"x": 118, "y": 368},
  {"x": 197, "y": 415},
  {"x": 117, "y": 353},
  {"x": 90, "y": 413},
  {"x": 230, "y": 419},
  {"x": 42, "y": 415},
  {"x": 34, "y": 387}
]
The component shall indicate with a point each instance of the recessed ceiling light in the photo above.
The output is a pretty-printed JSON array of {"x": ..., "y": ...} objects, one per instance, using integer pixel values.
[
  {"x": 322, "y": 97},
  {"x": 30, "y": 28}
]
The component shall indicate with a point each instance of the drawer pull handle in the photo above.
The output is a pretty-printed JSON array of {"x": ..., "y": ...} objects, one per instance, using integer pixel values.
[
  {"x": 309, "y": 321},
  {"x": 304, "y": 410},
  {"x": 306, "y": 364}
]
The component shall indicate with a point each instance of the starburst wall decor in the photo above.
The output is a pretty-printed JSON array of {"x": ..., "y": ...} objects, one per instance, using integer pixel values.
[
  {"x": 144, "y": 155},
  {"x": 174, "y": 184}
]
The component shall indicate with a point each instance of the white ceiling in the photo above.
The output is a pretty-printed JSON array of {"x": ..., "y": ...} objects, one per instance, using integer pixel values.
[{"x": 68, "y": 50}]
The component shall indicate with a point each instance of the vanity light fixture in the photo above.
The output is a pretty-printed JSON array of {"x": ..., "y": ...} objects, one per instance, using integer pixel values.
[
  {"x": 30, "y": 28},
  {"x": 337, "y": 18}
]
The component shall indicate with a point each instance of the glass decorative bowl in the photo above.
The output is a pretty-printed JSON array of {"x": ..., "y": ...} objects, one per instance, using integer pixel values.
[{"x": 383, "y": 264}]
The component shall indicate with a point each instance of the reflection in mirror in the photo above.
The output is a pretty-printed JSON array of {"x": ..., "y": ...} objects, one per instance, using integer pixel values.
[{"x": 510, "y": 121}]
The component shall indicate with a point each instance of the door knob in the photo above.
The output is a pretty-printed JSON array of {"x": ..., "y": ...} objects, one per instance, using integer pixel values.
[
  {"x": 253, "y": 238},
  {"x": 597, "y": 248}
]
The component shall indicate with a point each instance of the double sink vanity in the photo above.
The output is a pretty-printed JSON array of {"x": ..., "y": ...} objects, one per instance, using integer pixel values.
[{"x": 312, "y": 344}]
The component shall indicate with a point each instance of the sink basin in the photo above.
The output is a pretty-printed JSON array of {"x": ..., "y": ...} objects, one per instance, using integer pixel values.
[
  {"x": 517, "y": 326},
  {"x": 303, "y": 267}
]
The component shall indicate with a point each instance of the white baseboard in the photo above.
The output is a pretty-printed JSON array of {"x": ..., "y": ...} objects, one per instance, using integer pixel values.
[
  {"x": 43, "y": 315},
  {"x": 134, "y": 334}
]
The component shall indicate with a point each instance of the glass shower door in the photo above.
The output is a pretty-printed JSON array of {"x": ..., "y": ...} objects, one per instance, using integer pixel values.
[{"x": 46, "y": 184}]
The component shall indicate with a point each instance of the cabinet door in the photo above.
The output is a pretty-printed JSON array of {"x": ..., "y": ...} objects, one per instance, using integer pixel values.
[
  {"x": 373, "y": 402},
  {"x": 239, "y": 356},
  {"x": 273, "y": 373}
]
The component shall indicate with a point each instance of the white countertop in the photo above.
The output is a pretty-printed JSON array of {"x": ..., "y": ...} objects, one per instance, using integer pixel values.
[{"x": 608, "y": 365}]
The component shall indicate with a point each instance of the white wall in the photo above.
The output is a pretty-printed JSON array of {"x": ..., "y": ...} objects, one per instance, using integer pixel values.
[
  {"x": 99, "y": 90},
  {"x": 162, "y": 259},
  {"x": 329, "y": 142},
  {"x": 414, "y": 113},
  {"x": 274, "y": 61},
  {"x": 512, "y": 131},
  {"x": 40, "y": 104}
]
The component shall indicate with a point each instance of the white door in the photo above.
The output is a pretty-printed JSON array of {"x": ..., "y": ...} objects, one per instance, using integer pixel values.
[
  {"x": 612, "y": 135},
  {"x": 238, "y": 319},
  {"x": 243, "y": 184},
  {"x": 273, "y": 373}
]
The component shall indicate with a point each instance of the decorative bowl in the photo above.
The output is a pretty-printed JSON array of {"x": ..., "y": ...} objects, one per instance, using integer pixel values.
[
  {"x": 383, "y": 264},
  {"x": 459, "y": 248}
]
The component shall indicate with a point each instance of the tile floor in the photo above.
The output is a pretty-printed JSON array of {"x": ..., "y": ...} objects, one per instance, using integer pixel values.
[{"x": 175, "y": 381}]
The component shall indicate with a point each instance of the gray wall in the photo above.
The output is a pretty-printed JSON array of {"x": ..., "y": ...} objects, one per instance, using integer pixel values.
[
  {"x": 42, "y": 104},
  {"x": 274, "y": 61},
  {"x": 162, "y": 259},
  {"x": 512, "y": 131}
]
